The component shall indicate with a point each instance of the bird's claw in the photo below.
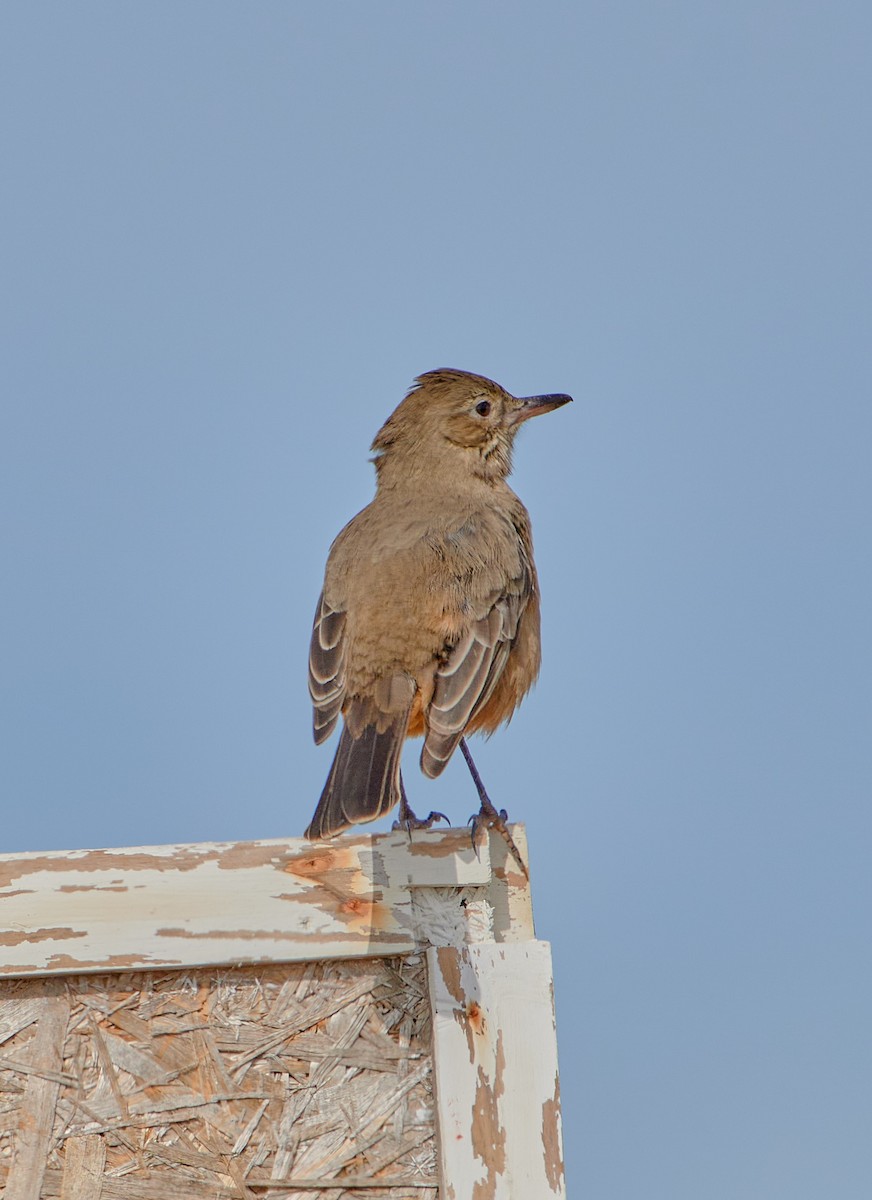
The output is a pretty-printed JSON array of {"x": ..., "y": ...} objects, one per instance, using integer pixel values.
[
  {"x": 409, "y": 821},
  {"x": 488, "y": 818}
]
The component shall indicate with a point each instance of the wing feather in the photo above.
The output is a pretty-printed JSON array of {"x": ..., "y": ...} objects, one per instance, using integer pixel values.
[
  {"x": 327, "y": 668},
  {"x": 465, "y": 682}
]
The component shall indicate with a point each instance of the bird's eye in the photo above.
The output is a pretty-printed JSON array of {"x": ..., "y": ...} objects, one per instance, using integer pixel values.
[{"x": 483, "y": 408}]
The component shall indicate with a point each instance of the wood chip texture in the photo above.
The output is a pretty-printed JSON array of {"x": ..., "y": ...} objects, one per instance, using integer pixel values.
[{"x": 291, "y": 1081}]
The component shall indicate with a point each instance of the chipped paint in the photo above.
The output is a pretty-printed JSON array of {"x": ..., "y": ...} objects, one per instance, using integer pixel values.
[
  {"x": 228, "y": 934},
  {"x": 455, "y": 841},
  {"x": 195, "y": 905},
  {"x": 9, "y": 937},
  {"x": 234, "y": 855},
  {"x": 461, "y": 984},
  {"x": 449, "y": 969},
  {"x": 177, "y": 907},
  {"x": 175, "y": 858},
  {"x": 65, "y": 964},
  {"x": 488, "y": 1134},
  {"x": 93, "y": 887},
  {"x": 496, "y": 1064},
  {"x": 552, "y": 1142}
]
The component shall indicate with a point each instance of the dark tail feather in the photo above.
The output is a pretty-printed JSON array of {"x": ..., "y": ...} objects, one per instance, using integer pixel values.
[{"x": 364, "y": 781}]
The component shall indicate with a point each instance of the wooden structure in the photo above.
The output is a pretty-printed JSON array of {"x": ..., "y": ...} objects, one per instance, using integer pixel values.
[{"x": 369, "y": 1017}]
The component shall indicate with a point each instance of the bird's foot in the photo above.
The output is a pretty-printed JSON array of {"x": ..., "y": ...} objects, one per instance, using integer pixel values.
[
  {"x": 489, "y": 817},
  {"x": 408, "y": 821}
]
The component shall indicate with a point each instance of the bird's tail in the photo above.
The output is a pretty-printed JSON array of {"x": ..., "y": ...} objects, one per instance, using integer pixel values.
[{"x": 364, "y": 781}]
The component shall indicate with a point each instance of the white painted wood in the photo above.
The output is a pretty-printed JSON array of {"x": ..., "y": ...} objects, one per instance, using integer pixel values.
[
  {"x": 212, "y": 904},
  {"x": 224, "y": 903},
  {"x": 495, "y": 1060},
  {"x": 508, "y": 892}
]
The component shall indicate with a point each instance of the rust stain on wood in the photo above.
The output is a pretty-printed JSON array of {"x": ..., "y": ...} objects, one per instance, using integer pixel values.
[
  {"x": 476, "y": 1018},
  {"x": 321, "y": 859},
  {"x": 367, "y": 914}
]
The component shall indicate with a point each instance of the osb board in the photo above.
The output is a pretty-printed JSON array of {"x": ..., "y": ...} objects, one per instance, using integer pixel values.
[
  {"x": 243, "y": 902},
  {"x": 278, "y": 1081},
  {"x": 495, "y": 1056}
]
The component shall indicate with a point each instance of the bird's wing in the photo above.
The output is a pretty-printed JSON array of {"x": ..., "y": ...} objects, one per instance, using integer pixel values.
[
  {"x": 326, "y": 668},
  {"x": 465, "y": 682}
]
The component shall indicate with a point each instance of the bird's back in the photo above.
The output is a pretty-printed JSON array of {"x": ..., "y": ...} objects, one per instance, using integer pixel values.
[{"x": 411, "y": 577}]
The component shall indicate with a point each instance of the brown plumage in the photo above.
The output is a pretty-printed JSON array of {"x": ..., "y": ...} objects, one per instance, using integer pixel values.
[{"x": 428, "y": 623}]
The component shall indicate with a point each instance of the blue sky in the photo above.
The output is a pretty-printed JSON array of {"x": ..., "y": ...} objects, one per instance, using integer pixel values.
[{"x": 232, "y": 235}]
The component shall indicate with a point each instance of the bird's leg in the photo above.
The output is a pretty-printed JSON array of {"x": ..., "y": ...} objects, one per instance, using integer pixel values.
[
  {"x": 408, "y": 820},
  {"x": 487, "y": 816}
]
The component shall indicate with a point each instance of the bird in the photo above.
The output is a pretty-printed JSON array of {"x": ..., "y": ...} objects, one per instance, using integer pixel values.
[{"x": 428, "y": 621}]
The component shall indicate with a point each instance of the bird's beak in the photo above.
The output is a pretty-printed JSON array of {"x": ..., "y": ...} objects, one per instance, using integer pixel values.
[{"x": 531, "y": 406}]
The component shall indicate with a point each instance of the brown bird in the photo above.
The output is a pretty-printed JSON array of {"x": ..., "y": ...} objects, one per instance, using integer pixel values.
[{"x": 428, "y": 623}]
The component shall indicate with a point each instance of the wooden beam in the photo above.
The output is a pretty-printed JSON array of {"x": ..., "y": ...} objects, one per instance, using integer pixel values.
[
  {"x": 487, "y": 992},
  {"x": 236, "y": 902},
  {"x": 495, "y": 1062}
]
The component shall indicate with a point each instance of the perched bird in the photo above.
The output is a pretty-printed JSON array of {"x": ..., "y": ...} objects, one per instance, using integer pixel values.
[{"x": 428, "y": 623}]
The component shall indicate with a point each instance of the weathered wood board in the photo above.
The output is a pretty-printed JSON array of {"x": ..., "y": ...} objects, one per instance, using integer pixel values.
[
  {"x": 497, "y": 1085},
  {"x": 185, "y": 906},
  {"x": 392, "y": 1034}
]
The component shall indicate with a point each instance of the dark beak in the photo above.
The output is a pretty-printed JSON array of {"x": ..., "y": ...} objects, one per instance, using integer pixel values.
[{"x": 532, "y": 406}]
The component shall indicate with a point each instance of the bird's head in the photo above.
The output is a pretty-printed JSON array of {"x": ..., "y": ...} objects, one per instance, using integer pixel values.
[{"x": 455, "y": 416}]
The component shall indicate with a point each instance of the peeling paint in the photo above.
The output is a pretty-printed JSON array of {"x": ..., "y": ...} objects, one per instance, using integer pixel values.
[
  {"x": 175, "y": 858},
  {"x": 112, "y": 962},
  {"x": 449, "y": 968},
  {"x": 451, "y": 842},
  {"x": 460, "y": 982},
  {"x": 488, "y": 1133},
  {"x": 495, "y": 1064},
  {"x": 10, "y": 938},
  {"x": 229, "y": 935},
  {"x": 551, "y": 1140},
  {"x": 386, "y": 942},
  {"x": 238, "y": 855},
  {"x": 93, "y": 887},
  {"x": 176, "y": 895}
]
